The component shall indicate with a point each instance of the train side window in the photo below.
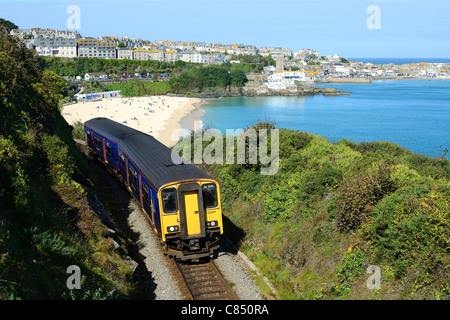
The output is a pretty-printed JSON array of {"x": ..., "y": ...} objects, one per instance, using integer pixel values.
[
  {"x": 108, "y": 148},
  {"x": 97, "y": 141},
  {"x": 146, "y": 194},
  {"x": 135, "y": 180},
  {"x": 169, "y": 200},
  {"x": 133, "y": 175},
  {"x": 122, "y": 160},
  {"x": 209, "y": 192}
]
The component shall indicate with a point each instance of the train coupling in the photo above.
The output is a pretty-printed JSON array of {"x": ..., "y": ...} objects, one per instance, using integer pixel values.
[{"x": 194, "y": 244}]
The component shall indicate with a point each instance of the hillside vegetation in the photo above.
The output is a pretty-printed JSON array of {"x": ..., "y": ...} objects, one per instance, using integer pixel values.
[
  {"x": 333, "y": 209},
  {"x": 47, "y": 221}
]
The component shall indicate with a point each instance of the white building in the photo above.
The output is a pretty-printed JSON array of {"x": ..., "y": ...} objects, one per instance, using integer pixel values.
[
  {"x": 55, "y": 47},
  {"x": 125, "y": 53},
  {"x": 198, "y": 57},
  {"x": 284, "y": 80},
  {"x": 342, "y": 70},
  {"x": 186, "y": 56},
  {"x": 95, "y": 96},
  {"x": 141, "y": 54},
  {"x": 305, "y": 53},
  {"x": 95, "y": 76},
  {"x": 94, "y": 48},
  {"x": 171, "y": 55},
  {"x": 156, "y": 55}
]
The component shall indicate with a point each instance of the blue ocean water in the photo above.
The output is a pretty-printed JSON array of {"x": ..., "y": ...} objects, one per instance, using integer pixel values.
[
  {"x": 400, "y": 61},
  {"x": 412, "y": 113}
]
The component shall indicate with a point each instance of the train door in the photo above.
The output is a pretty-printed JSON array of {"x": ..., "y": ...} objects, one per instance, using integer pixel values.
[
  {"x": 104, "y": 150},
  {"x": 155, "y": 211},
  {"x": 147, "y": 201},
  {"x": 111, "y": 153},
  {"x": 192, "y": 213},
  {"x": 92, "y": 139}
]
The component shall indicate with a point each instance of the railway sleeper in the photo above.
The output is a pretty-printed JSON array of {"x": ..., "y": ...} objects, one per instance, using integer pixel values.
[
  {"x": 198, "y": 274},
  {"x": 203, "y": 278},
  {"x": 203, "y": 287},
  {"x": 209, "y": 295}
]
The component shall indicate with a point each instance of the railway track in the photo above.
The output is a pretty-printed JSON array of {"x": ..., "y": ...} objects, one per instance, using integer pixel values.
[
  {"x": 204, "y": 281},
  {"x": 202, "y": 278}
]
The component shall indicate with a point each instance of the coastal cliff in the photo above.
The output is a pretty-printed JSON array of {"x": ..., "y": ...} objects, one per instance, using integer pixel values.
[{"x": 304, "y": 91}]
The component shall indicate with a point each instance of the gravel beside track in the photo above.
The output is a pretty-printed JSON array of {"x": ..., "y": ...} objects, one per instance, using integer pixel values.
[
  {"x": 232, "y": 267},
  {"x": 165, "y": 285},
  {"x": 237, "y": 273}
]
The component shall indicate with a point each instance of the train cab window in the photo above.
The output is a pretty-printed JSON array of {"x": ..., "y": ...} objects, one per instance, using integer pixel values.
[
  {"x": 108, "y": 148},
  {"x": 209, "y": 192},
  {"x": 145, "y": 194},
  {"x": 169, "y": 200}
]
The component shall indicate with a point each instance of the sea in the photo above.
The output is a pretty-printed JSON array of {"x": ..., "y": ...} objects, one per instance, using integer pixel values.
[
  {"x": 414, "y": 114},
  {"x": 400, "y": 61}
]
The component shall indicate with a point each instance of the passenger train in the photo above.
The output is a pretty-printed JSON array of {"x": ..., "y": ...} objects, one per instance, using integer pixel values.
[{"x": 181, "y": 201}]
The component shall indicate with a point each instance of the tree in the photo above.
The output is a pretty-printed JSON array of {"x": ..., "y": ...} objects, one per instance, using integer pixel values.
[
  {"x": 8, "y": 24},
  {"x": 121, "y": 45},
  {"x": 54, "y": 85},
  {"x": 238, "y": 78}
]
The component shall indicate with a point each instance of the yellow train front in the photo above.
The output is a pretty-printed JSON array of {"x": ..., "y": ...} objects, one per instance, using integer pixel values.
[
  {"x": 181, "y": 201},
  {"x": 191, "y": 218}
]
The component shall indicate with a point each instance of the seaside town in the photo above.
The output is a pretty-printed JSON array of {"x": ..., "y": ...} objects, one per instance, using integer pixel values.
[
  {"x": 306, "y": 65},
  {"x": 134, "y": 169}
]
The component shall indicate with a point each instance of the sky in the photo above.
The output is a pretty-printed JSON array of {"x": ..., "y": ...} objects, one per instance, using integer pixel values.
[{"x": 351, "y": 28}]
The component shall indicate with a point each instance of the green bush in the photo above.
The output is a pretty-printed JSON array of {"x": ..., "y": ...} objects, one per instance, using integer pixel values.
[
  {"x": 61, "y": 163},
  {"x": 359, "y": 193},
  {"x": 350, "y": 268},
  {"x": 78, "y": 130},
  {"x": 51, "y": 244},
  {"x": 278, "y": 203},
  {"x": 407, "y": 226}
]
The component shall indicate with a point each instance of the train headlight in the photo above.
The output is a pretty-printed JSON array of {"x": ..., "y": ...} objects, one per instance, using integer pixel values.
[
  {"x": 173, "y": 229},
  {"x": 213, "y": 223}
]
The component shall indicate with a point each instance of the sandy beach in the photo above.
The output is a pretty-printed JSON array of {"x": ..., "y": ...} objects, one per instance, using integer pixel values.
[{"x": 158, "y": 116}]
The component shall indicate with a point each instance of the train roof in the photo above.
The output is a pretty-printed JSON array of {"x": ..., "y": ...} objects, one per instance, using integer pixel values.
[{"x": 152, "y": 157}]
